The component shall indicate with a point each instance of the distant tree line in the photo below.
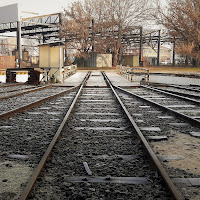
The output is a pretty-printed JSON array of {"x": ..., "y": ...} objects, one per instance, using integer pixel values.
[
  {"x": 99, "y": 25},
  {"x": 182, "y": 20}
]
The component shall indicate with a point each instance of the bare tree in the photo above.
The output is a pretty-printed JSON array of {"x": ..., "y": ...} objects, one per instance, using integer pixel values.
[
  {"x": 182, "y": 19},
  {"x": 100, "y": 25}
]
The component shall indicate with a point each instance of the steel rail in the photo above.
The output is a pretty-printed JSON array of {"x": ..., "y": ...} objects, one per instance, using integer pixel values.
[
  {"x": 10, "y": 113},
  {"x": 16, "y": 90},
  {"x": 25, "y": 92},
  {"x": 189, "y": 89},
  {"x": 176, "y": 194},
  {"x": 192, "y": 121},
  {"x": 46, "y": 155},
  {"x": 180, "y": 93},
  {"x": 11, "y": 85},
  {"x": 173, "y": 95}
]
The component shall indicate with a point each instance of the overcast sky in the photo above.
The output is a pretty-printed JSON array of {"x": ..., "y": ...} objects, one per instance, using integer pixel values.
[{"x": 38, "y": 6}]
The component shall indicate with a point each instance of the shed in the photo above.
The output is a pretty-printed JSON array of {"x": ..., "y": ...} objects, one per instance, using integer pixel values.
[
  {"x": 51, "y": 58},
  {"x": 132, "y": 61}
]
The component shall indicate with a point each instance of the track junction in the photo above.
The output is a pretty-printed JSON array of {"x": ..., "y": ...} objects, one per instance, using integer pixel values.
[{"x": 97, "y": 137}]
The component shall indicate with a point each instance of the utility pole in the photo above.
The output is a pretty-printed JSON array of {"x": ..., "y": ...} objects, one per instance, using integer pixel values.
[
  {"x": 173, "y": 57},
  {"x": 19, "y": 45},
  {"x": 141, "y": 41},
  {"x": 158, "y": 52},
  {"x": 93, "y": 35}
]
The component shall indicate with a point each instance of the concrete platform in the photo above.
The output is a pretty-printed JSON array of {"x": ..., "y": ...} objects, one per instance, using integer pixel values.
[
  {"x": 75, "y": 79},
  {"x": 118, "y": 80},
  {"x": 96, "y": 79}
]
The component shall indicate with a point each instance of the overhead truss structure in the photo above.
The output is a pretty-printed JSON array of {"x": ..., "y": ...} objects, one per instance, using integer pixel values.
[{"x": 45, "y": 27}]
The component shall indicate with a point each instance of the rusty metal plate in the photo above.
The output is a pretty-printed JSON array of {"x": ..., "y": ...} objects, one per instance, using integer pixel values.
[
  {"x": 34, "y": 113},
  {"x": 112, "y": 136},
  {"x": 150, "y": 128},
  {"x": 124, "y": 157},
  {"x": 189, "y": 111},
  {"x": 100, "y": 128},
  {"x": 168, "y": 158},
  {"x": 54, "y": 119},
  {"x": 90, "y": 113},
  {"x": 18, "y": 156},
  {"x": 108, "y": 179},
  {"x": 157, "y": 98},
  {"x": 139, "y": 121},
  {"x": 196, "y": 117},
  {"x": 145, "y": 106},
  {"x": 5, "y": 127},
  {"x": 53, "y": 113},
  {"x": 180, "y": 106},
  {"x": 187, "y": 181},
  {"x": 157, "y": 138},
  {"x": 44, "y": 108},
  {"x": 97, "y": 103},
  {"x": 94, "y": 100},
  {"x": 154, "y": 112},
  {"x": 103, "y": 120},
  {"x": 137, "y": 115},
  {"x": 150, "y": 96},
  {"x": 195, "y": 134},
  {"x": 165, "y": 117},
  {"x": 179, "y": 124},
  {"x": 59, "y": 107}
]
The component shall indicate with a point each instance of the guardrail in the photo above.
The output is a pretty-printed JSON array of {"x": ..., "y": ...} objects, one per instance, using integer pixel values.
[
  {"x": 69, "y": 70},
  {"x": 129, "y": 73}
]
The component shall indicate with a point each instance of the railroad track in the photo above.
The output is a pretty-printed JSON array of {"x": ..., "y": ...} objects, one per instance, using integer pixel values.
[
  {"x": 10, "y": 85},
  {"x": 13, "y": 104},
  {"x": 8, "y": 90},
  {"x": 174, "y": 137},
  {"x": 184, "y": 107},
  {"x": 26, "y": 136},
  {"x": 182, "y": 91},
  {"x": 98, "y": 153}
]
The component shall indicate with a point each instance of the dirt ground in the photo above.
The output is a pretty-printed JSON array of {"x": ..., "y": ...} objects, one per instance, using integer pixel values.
[
  {"x": 174, "y": 69},
  {"x": 160, "y": 69}
]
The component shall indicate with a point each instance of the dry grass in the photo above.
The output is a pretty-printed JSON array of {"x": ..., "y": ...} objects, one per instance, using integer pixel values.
[
  {"x": 174, "y": 70},
  {"x": 156, "y": 69}
]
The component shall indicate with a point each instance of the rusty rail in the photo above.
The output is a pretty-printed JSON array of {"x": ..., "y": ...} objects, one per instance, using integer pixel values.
[
  {"x": 17, "y": 90},
  {"x": 10, "y": 113},
  {"x": 12, "y": 85},
  {"x": 40, "y": 166},
  {"x": 176, "y": 194},
  {"x": 25, "y": 92}
]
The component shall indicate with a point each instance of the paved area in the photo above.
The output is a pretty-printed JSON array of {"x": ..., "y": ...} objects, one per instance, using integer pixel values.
[
  {"x": 118, "y": 80},
  {"x": 97, "y": 80},
  {"x": 75, "y": 79}
]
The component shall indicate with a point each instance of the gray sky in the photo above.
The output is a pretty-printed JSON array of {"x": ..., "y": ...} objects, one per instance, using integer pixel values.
[{"x": 38, "y": 6}]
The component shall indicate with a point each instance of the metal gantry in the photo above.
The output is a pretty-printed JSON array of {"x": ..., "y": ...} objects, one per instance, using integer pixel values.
[{"x": 47, "y": 27}]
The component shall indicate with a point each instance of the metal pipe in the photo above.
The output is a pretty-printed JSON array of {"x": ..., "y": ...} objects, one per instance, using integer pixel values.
[
  {"x": 141, "y": 41},
  {"x": 19, "y": 45},
  {"x": 158, "y": 52}
]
